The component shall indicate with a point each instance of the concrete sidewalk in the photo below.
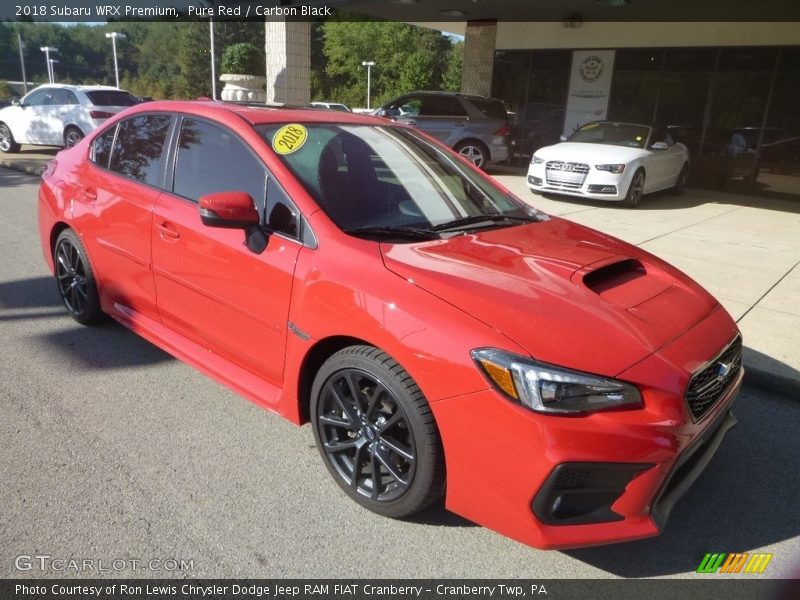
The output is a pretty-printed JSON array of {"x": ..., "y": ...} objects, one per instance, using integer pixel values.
[{"x": 744, "y": 250}]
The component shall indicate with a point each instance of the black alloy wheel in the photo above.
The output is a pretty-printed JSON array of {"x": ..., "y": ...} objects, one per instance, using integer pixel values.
[
  {"x": 75, "y": 279},
  {"x": 375, "y": 432}
]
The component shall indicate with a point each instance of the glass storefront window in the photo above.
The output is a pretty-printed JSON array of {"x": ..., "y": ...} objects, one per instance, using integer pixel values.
[
  {"x": 634, "y": 88},
  {"x": 778, "y": 171}
]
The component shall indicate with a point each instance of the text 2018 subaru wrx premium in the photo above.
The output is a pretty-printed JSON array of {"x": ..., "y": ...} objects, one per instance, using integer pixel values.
[{"x": 443, "y": 338}]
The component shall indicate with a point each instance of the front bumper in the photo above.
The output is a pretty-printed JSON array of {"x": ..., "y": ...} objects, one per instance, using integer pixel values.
[
  {"x": 598, "y": 185},
  {"x": 503, "y": 459}
]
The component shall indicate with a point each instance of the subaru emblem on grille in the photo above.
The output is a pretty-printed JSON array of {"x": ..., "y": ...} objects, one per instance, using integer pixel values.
[{"x": 723, "y": 370}]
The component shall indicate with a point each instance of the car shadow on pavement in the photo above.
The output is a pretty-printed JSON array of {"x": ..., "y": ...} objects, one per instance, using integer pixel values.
[
  {"x": 437, "y": 514},
  {"x": 107, "y": 345},
  {"x": 34, "y": 293},
  {"x": 746, "y": 499}
]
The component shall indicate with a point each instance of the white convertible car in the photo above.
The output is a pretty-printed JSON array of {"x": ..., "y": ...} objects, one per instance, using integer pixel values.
[{"x": 604, "y": 160}]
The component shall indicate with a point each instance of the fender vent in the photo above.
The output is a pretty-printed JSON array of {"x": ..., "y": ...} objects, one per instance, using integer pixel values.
[{"x": 614, "y": 275}]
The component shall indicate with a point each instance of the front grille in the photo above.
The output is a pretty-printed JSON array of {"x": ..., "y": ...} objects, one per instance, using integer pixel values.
[
  {"x": 711, "y": 382},
  {"x": 566, "y": 174}
]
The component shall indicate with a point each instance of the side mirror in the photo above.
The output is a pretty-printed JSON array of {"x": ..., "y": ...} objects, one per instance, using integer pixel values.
[
  {"x": 230, "y": 210},
  {"x": 659, "y": 146},
  {"x": 563, "y": 138},
  {"x": 16, "y": 103}
]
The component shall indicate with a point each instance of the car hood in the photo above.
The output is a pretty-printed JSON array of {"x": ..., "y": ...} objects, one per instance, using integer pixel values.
[
  {"x": 590, "y": 153},
  {"x": 569, "y": 295}
]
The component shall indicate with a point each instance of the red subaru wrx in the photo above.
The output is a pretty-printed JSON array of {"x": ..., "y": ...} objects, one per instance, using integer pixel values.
[{"x": 443, "y": 338}]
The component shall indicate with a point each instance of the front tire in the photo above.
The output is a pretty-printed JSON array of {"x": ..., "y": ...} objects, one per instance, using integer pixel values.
[
  {"x": 474, "y": 152},
  {"x": 75, "y": 279},
  {"x": 375, "y": 432},
  {"x": 635, "y": 190},
  {"x": 72, "y": 135},
  {"x": 7, "y": 143}
]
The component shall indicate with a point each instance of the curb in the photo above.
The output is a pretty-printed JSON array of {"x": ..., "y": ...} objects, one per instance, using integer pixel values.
[{"x": 28, "y": 169}]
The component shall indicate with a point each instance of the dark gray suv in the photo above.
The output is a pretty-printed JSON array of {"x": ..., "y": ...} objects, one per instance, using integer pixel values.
[{"x": 476, "y": 127}]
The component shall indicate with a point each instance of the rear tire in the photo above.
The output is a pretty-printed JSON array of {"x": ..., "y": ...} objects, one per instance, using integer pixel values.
[
  {"x": 635, "y": 190},
  {"x": 474, "y": 151},
  {"x": 72, "y": 135},
  {"x": 75, "y": 279},
  {"x": 375, "y": 432},
  {"x": 680, "y": 184},
  {"x": 7, "y": 143}
]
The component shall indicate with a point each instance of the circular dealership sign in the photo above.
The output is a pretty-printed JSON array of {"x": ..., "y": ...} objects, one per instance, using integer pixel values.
[{"x": 591, "y": 68}]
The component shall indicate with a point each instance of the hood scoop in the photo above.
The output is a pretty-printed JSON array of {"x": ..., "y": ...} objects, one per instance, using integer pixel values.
[{"x": 625, "y": 282}]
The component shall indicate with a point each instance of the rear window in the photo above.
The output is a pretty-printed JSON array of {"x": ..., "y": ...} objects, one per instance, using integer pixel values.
[
  {"x": 493, "y": 109},
  {"x": 112, "y": 98}
]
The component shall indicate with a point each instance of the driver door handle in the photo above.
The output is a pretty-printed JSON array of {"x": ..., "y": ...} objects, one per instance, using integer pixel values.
[{"x": 167, "y": 231}]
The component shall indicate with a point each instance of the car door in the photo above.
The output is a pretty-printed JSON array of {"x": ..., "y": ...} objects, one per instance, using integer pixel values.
[
  {"x": 119, "y": 187},
  {"x": 32, "y": 127},
  {"x": 657, "y": 162},
  {"x": 443, "y": 117},
  {"x": 57, "y": 113},
  {"x": 211, "y": 288}
]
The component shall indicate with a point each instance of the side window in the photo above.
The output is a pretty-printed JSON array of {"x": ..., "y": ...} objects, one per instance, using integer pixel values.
[
  {"x": 71, "y": 98},
  {"x": 138, "y": 148},
  {"x": 37, "y": 98},
  {"x": 442, "y": 106},
  {"x": 210, "y": 159},
  {"x": 101, "y": 149}
]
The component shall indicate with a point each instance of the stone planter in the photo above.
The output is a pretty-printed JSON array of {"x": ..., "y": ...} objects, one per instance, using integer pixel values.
[{"x": 243, "y": 88}]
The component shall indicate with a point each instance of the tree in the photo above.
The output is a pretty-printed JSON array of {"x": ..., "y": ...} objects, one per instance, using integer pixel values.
[{"x": 451, "y": 80}]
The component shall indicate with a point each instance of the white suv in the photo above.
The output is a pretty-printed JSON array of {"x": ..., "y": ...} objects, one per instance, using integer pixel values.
[{"x": 59, "y": 115}]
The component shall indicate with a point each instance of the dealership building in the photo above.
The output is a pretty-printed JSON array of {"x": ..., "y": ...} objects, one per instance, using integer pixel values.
[{"x": 730, "y": 91}]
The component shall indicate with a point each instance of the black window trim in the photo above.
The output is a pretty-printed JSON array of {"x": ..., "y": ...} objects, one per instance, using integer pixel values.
[
  {"x": 306, "y": 236},
  {"x": 158, "y": 185}
]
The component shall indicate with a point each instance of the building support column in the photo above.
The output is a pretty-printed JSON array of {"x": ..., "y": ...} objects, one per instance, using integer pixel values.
[
  {"x": 479, "y": 47},
  {"x": 288, "y": 52}
]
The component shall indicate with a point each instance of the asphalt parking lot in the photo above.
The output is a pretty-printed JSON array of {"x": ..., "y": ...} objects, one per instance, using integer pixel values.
[{"x": 114, "y": 450}]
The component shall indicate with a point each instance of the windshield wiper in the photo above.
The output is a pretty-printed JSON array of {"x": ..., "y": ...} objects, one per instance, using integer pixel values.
[
  {"x": 478, "y": 219},
  {"x": 395, "y": 231}
]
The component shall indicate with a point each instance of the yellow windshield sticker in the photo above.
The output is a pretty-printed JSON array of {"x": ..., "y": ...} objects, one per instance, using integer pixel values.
[
  {"x": 589, "y": 126},
  {"x": 290, "y": 138},
  {"x": 638, "y": 138}
]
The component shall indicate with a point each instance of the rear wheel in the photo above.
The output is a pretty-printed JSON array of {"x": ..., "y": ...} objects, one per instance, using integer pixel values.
[
  {"x": 375, "y": 432},
  {"x": 635, "y": 190},
  {"x": 75, "y": 279},
  {"x": 474, "y": 152},
  {"x": 680, "y": 183},
  {"x": 72, "y": 135},
  {"x": 7, "y": 143}
]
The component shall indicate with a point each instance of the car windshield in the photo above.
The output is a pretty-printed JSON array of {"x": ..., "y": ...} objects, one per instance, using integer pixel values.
[
  {"x": 616, "y": 134},
  {"x": 112, "y": 98},
  {"x": 375, "y": 181}
]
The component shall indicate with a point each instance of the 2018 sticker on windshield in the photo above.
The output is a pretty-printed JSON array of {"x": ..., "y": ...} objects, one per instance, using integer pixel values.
[{"x": 289, "y": 138}]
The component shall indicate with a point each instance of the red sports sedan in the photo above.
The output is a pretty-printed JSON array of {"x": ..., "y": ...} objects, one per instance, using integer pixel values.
[{"x": 443, "y": 338}]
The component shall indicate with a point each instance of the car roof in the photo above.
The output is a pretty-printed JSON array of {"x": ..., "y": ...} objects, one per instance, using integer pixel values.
[
  {"x": 83, "y": 88},
  {"x": 453, "y": 94},
  {"x": 260, "y": 114}
]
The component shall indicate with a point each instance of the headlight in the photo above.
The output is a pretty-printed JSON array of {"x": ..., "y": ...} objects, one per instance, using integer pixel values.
[
  {"x": 536, "y": 160},
  {"x": 611, "y": 168},
  {"x": 548, "y": 389}
]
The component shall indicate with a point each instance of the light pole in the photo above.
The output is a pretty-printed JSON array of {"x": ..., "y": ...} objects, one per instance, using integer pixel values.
[
  {"x": 369, "y": 64},
  {"x": 47, "y": 50},
  {"x": 22, "y": 62},
  {"x": 114, "y": 35},
  {"x": 52, "y": 62},
  {"x": 213, "y": 68}
]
